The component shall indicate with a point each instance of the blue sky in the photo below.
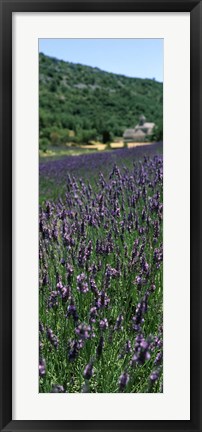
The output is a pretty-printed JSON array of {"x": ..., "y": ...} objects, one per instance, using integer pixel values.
[{"x": 141, "y": 58}]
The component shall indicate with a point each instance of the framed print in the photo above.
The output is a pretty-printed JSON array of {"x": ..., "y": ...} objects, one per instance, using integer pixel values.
[{"x": 100, "y": 215}]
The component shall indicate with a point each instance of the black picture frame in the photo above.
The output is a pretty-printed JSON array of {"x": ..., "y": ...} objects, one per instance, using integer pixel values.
[{"x": 6, "y": 9}]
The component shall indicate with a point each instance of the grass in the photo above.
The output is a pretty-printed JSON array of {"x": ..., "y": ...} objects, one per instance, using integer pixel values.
[
  {"x": 54, "y": 153},
  {"x": 57, "y": 153}
]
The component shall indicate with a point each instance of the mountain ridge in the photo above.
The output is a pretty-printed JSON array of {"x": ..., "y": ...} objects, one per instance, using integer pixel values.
[{"x": 97, "y": 69}]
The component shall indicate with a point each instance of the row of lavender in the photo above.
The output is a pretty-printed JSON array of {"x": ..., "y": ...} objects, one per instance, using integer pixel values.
[
  {"x": 101, "y": 288},
  {"x": 53, "y": 173}
]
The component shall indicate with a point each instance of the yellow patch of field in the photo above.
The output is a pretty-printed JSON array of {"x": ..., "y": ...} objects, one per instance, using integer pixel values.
[
  {"x": 97, "y": 146},
  {"x": 48, "y": 153},
  {"x": 138, "y": 144},
  {"x": 117, "y": 145}
]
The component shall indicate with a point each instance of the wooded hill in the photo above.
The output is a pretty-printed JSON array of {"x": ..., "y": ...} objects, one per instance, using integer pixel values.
[{"x": 80, "y": 103}]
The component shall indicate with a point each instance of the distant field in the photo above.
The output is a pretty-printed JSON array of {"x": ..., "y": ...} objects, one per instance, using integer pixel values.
[
  {"x": 86, "y": 164},
  {"x": 58, "y": 152}
]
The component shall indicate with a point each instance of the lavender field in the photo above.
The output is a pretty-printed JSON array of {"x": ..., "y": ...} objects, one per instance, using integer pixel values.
[{"x": 101, "y": 272}]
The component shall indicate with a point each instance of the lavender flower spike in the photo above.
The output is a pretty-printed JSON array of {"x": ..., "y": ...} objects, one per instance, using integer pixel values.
[
  {"x": 88, "y": 371},
  {"x": 123, "y": 381},
  {"x": 42, "y": 368}
]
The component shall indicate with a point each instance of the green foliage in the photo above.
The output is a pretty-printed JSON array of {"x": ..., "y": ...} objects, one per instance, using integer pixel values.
[
  {"x": 106, "y": 136},
  {"x": 157, "y": 134},
  {"x": 85, "y": 136},
  {"x": 89, "y": 101},
  {"x": 43, "y": 144}
]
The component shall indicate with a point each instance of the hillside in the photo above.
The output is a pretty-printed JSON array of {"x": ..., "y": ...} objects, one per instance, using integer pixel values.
[{"x": 81, "y": 103}]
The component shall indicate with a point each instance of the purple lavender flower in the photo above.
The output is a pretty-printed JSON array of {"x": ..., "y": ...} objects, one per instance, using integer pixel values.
[
  {"x": 74, "y": 347},
  {"x": 42, "y": 368},
  {"x": 82, "y": 285},
  {"x": 93, "y": 269},
  {"x": 158, "y": 256},
  {"x": 152, "y": 288},
  {"x": 128, "y": 347},
  {"x": 45, "y": 280},
  {"x": 88, "y": 250},
  {"x": 93, "y": 286},
  {"x": 93, "y": 314},
  {"x": 154, "y": 376},
  {"x": 111, "y": 273},
  {"x": 142, "y": 353},
  {"x": 88, "y": 371},
  {"x": 104, "y": 324},
  {"x": 70, "y": 271},
  {"x": 84, "y": 331},
  {"x": 59, "y": 285},
  {"x": 40, "y": 346},
  {"x": 123, "y": 381},
  {"x": 141, "y": 309},
  {"x": 103, "y": 300},
  {"x": 65, "y": 293},
  {"x": 72, "y": 311},
  {"x": 119, "y": 321},
  {"x": 139, "y": 281},
  {"x": 158, "y": 358},
  {"x": 52, "y": 338},
  {"x": 53, "y": 300},
  {"x": 41, "y": 327}
]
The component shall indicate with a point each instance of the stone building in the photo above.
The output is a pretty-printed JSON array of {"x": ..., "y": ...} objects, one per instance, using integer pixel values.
[{"x": 140, "y": 132}]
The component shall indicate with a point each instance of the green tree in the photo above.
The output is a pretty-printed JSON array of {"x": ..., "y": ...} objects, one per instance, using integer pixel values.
[
  {"x": 157, "y": 134},
  {"x": 106, "y": 136},
  {"x": 43, "y": 144}
]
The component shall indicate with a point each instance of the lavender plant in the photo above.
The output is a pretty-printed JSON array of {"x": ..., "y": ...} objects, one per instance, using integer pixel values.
[{"x": 100, "y": 273}]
